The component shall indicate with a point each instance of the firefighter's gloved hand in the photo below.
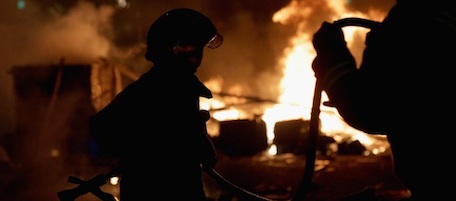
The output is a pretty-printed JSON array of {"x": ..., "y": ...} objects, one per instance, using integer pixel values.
[
  {"x": 331, "y": 49},
  {"x": 329, "y": 38},
  {"x": 205, "y": 115}
]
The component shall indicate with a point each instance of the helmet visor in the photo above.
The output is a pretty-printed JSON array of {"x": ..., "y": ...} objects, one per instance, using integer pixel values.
[{"x": 215, "y": 41}]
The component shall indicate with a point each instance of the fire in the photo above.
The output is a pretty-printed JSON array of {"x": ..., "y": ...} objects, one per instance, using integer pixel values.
[{"x": 297, "y": 84}]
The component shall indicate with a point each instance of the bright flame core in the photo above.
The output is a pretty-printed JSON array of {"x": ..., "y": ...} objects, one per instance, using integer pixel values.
[{"x": 298, "y": 82}]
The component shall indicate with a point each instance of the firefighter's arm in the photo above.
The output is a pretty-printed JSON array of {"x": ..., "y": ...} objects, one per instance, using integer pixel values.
[
  {"x": 208, "y": 153},
  {"x": 209, "y": 156}
]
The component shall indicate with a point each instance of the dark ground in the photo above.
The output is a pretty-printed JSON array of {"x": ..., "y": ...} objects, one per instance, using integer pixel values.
[{"x": 336, "y": 178}]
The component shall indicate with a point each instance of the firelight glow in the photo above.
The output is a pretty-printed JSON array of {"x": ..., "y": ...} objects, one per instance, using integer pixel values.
[{"x": 297, "y": 84}]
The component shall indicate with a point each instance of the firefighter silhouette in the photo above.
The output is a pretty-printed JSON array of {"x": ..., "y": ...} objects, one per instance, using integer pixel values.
[
  {"x": 155, "y": 126},
  {"x": 399, "y": 90}
]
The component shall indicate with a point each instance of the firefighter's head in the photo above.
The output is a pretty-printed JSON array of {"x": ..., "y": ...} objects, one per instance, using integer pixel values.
[{"x": 183, "y": 32}]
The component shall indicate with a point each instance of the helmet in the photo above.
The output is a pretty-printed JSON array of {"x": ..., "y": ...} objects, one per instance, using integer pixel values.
[{"x": 179, "y": 26}]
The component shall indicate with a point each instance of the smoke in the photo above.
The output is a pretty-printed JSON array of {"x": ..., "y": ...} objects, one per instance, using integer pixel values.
[
  {"x": 44, "y": 32},
  {"x": 82, "y": 31},
  {"x": 43, "y": 36}
]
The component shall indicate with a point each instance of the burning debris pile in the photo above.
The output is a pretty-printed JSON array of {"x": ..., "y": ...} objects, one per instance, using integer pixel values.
[{"x": 64, "y": 96}]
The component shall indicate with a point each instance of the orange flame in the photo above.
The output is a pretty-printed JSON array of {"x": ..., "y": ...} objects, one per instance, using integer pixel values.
[{"x": 298, "y": 82}]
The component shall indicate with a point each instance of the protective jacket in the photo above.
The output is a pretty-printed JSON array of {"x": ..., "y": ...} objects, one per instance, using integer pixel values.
[
  {"x": 402, "y": 88},
  {"x": 155, "y": 129}
]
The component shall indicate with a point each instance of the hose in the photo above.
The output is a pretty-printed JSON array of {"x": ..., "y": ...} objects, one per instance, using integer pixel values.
[
  {"x": 93, "y": 184},
  {"x": 314, "y": 129}
]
